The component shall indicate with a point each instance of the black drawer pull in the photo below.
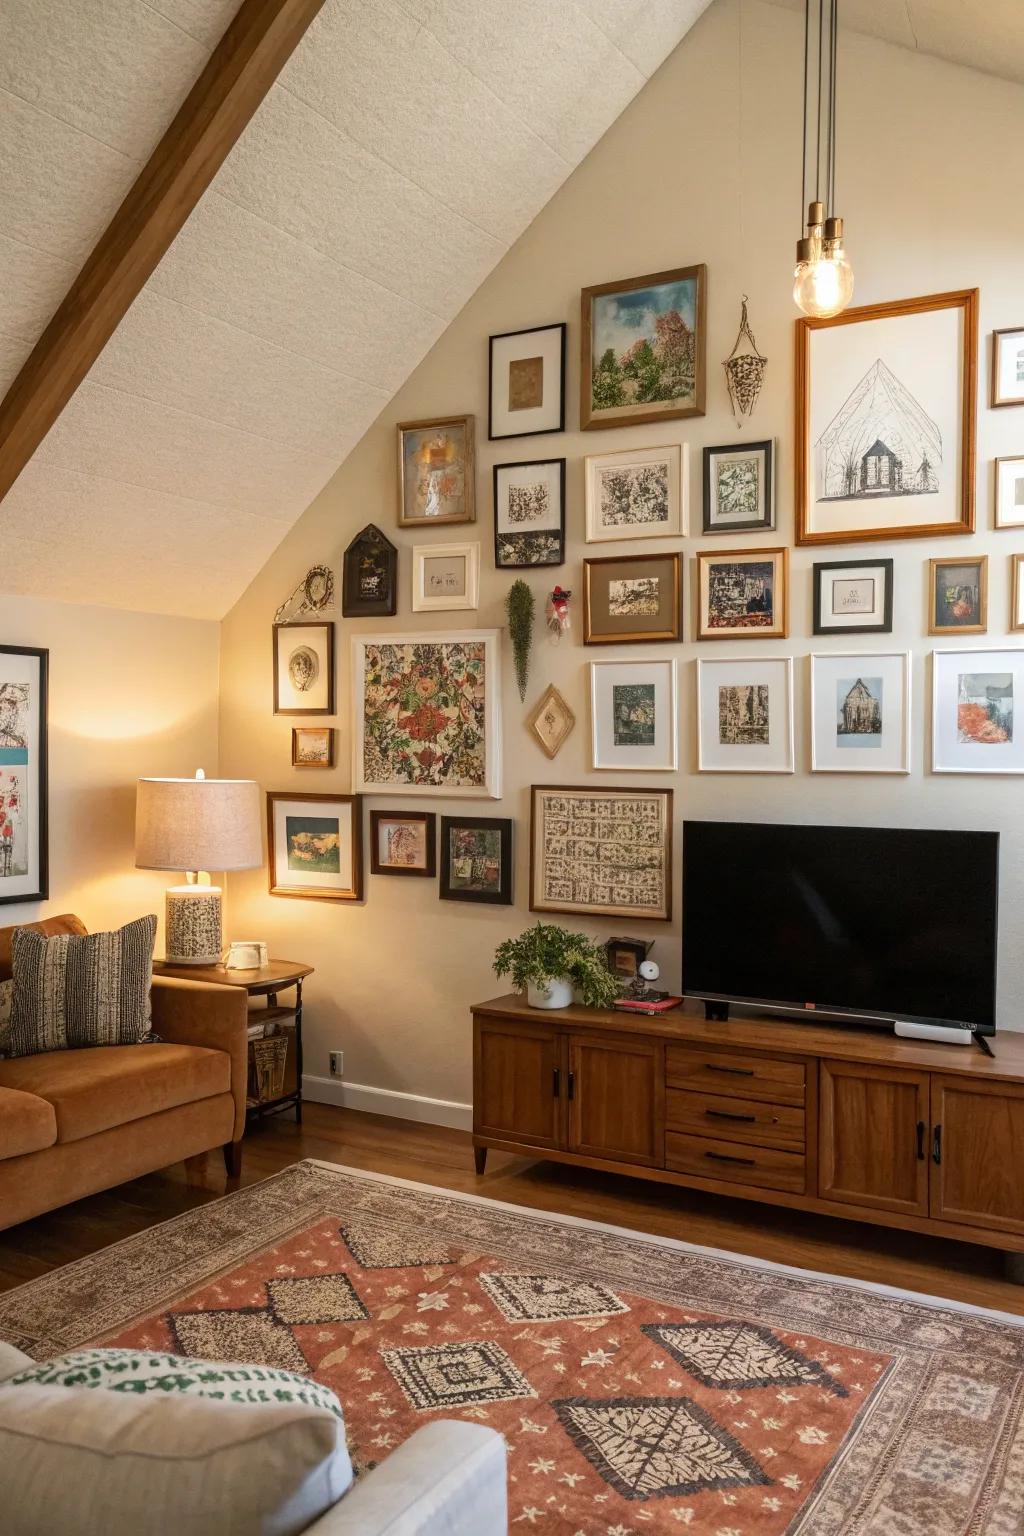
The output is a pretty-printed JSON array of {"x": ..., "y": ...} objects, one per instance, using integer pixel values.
[
  {"x": 719, "y": 1157},
  {"x": 722, "y": 1114},
  {"x": 732, "y": 1071},
  {"x": 937, "y": 1145}
]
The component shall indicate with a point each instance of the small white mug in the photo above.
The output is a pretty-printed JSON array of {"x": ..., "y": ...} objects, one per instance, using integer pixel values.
[{"x": 246, "y": 955}]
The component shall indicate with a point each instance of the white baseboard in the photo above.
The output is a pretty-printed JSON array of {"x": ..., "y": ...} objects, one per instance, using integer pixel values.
[{"x": 387, "y": 1101}]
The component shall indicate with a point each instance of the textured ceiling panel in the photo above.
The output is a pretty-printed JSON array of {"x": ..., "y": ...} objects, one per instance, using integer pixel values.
[
  {"x": 645, "y": 30},
  {"x": 33, "y": 285}
]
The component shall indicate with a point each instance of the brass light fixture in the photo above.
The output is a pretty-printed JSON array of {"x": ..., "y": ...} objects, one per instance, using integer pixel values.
[{"x": 823, "y": 280}]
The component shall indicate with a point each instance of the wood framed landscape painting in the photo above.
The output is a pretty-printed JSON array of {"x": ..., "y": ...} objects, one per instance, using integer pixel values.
[
  {"x": 743, "y": 593},
  {"x": 427, "y": 714},
  {"x": 976, "y": 696},
  {"x": 526, "y": 390},
  {"x": 860, "y": 712},
  {"x": 885, "y": 421},
  {"x": 628, "y": 599},
  {"x": 312, "y": 746},
  {"x": 643, "y": 349},
  {"x": 24, "y": 842},
  {"x": 436, "y": 474},
  {"x": 315, "y": 846},
  {"x": 476, "y": 859},
  {"x": 853, "y": 597},
  {"x": 745, "y": 715},
  {"x": 637, "y": 493},
  {"x": 304, "y": 669},
  {"x": 602, "y": 851},
  {"x": 958, "y": 596},
  {"x": 403, "y": 843},
  {"x": 529, "y": 514}
]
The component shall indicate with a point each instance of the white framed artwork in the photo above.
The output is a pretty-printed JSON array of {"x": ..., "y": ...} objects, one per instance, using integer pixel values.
[
  {"x": 633, "y": 715},
  {"x": 1010, "y": 492},
  {"x": 860, "y": 712},
  {"x": 445, "y": 577},
  {"x": 975, "y": 697},
  {"x": 745, "y": 715},
  {"x": 636, "y": 493}
]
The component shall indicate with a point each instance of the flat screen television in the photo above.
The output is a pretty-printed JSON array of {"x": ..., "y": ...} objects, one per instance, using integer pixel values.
[{"x": 845, "y": 922}]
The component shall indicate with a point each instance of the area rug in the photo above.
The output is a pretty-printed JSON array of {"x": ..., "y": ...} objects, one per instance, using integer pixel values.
[{"x": 642, "y": 1385}]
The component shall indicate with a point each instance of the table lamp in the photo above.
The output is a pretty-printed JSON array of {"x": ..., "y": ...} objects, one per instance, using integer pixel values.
[{"x": 196, "y": 825}]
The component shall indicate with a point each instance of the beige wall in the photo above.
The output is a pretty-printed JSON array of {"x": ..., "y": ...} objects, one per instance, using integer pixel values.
[
  {"x": 130, "y": 694},
  {"x": 925, "y": 186}
]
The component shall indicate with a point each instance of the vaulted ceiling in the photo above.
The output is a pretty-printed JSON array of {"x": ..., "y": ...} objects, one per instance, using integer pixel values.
[{"x": 404, "y": 147}]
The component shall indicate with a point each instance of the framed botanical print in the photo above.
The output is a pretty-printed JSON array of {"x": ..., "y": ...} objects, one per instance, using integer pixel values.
[
  {"x": 1010, "y": 492},
  {"x": 476, "y": 859},
  {"x": 633, "y": 715},
  {"x": 24, "y": 835},
  {"x": 403, "y": 843},
  {"x": 745, "y": 715},
  {"x": 601, "y": 851},
  {"x": 886, "y": 420},
  {"x": 643, "y": 349},
  {"x": 860, "y": 713},
  {"x": 427, "y": 714},
  {"x": 637, "y": 493},
  {"x": 551, "y": 722},
  {"x": 315, "y": 846},
  {"x": 853, "y": 597},
  {"x": 1008, "y": 366},
  {"x": 369, "y": 583},
  {"x": 629, "y": 599},
  {"x": 304, "y": 669},
  {"x": 958, "y": 596},
  {"x": 445, "y": 576},
  {"x": 975, "y": 696},
  {"x": 529, "y": 514},
  {"x": 526, "y": 391},
  {"x": 1017, "y": 593},
  {"x": 743, "y": 593},
  {"x": 436, "y": 473},
  {"x": 312, "y": 746},
  {"x": 738, "y": 488}
]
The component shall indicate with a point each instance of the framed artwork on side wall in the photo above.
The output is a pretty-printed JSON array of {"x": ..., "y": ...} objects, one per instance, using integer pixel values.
[
  {"x": 312, "y": 746},
  {"x": 315, "y": 846},
  {"x": 526, "y": 393},
  {"x": 304, "y": 669},
  {"x": 860, "y": 713},
  {"x": 637, "y": 493},
  {"x": 601, "y": 851},
  {"x": 476, "y": 859},
  {"x": 853, "y": 597},
  {"x": 1008, "y": 366},
  {"x": 436, "y": 474},
  {"x": 643, "y": 349},
  {"x": 529, "y": 514},
  {"x": 628, "y": 599},
  {"x": 885, "y": 421},
  {"x": 975, "y": 698},
  {"x": 24, "y": 837}
]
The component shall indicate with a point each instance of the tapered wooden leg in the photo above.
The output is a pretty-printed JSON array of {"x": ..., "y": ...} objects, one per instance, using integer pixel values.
[
  {"x": 233, "y": 1159},
  {"x": 480, "y": 1158}
]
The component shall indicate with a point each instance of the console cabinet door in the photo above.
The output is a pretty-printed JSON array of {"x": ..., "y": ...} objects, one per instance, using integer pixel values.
[
  {"x": 616, "y": 1100},
  {"x": 977, "y": 1149},
  {"x": 874, "y": 1137},
  {"x": 518, "y": 1074}
]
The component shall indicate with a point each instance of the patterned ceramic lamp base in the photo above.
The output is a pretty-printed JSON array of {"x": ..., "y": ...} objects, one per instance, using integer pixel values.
[{"x": 193, "y": 926}]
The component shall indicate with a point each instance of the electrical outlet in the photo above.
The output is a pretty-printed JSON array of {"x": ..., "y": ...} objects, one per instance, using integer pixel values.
[{"x": 337, "y": 1063}]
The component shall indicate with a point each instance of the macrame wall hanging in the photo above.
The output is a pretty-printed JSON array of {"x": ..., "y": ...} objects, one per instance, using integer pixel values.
[{"x": 744, "y": 370}]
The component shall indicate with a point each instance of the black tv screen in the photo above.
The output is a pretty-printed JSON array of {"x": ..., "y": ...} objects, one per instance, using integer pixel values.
[{"x": 898, "y": 925}]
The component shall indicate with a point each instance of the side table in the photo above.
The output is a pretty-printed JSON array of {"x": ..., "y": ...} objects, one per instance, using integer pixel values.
[{"x": 264, "y": 981}]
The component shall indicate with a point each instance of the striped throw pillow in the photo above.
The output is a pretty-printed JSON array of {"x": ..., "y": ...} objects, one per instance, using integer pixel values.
[{"x": 79, "y": 989}]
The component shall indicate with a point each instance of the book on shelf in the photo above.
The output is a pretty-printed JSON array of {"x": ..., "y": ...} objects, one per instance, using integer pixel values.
[{"x": 647, "y": 1005}]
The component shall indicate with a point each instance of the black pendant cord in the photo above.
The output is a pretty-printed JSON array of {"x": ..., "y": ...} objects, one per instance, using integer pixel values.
[
  {"x": 817, "y": 166},
  {"x": 803, "y": 147},
  {"x": 834, "y": 108}
]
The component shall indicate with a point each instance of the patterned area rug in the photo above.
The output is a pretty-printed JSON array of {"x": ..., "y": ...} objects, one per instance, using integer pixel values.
[{"x": 643, "y": 1386}]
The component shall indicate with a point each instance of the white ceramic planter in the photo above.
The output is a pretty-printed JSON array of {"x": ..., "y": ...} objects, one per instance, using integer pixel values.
[{"x": 556, "y": 992}]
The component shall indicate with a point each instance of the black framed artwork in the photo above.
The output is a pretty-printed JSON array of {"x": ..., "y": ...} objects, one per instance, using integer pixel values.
[
  {"x": 24, "y": 841},
  {"x": 529, "y": 514},
  {"x": 476, "y": 859},
  {"x": 853, "y": 597},
  {"x": 403, "y": 843},
  {"x": 738, "y": 484},
  {"x": 526, "y": 382},
  {"x": 369, "y": 583}
]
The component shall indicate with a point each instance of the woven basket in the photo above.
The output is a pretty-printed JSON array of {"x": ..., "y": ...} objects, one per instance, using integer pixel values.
[{"x": 267, "y": 1061}]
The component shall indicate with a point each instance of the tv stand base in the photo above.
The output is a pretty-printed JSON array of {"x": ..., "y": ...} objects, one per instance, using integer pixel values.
[
  {"x": 933, "y": 1032},
  {"x": 716, "y": 1013}
]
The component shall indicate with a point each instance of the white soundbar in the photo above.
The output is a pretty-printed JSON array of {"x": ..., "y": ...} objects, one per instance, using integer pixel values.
[{"x": 945, "y": 1035}]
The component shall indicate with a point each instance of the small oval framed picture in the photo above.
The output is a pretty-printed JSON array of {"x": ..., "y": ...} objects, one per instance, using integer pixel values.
[{"x": 738, "y": 488}]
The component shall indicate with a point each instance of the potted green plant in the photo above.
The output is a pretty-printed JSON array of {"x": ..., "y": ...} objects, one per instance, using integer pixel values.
[{"x": 551, "y": 964}]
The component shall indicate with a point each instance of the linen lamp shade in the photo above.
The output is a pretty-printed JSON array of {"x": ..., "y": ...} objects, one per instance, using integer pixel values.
[{"x": 194, "y": 825}]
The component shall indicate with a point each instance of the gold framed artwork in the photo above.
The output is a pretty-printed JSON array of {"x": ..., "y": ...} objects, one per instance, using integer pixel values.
[
  {"x": 436, "y": 473},
  {"x": 1008, "y": 366},
  {"x": 315, "y": 846},
  {"x": 551, "y": 722},
  {"x": 1017, "y": 593},
  {"x": 958, "y": 595},
  {"x": 304, "y": 669},
  {"x": 630, "y": 599},
  {"x": 1009, "y": 499},
  {"x": 312, "y": 746},
  {"x": 744, "y": 592},
  {"x": 644, "y": 349},
  {"x": 601, "y": 851},
  {"x": 885, "y": 420}
]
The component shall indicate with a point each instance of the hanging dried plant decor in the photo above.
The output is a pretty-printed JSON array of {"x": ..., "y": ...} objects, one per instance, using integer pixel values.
[
  {"x": 519, "y": 611},
  {"x": 744, "y": 369}
]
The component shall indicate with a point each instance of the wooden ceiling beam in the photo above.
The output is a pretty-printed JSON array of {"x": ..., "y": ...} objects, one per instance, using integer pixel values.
[{"x": 237, "y": 76}]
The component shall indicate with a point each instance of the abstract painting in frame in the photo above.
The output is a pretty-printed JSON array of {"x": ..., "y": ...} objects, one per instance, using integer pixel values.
[
  {"x": 633, "y": 715},
  {"x": 529, "y": 514},
  {"x": 977, "y": 696},
  {"x": 958, "y": 596},
  {"x": 427, "y": 714},
  {"x": 744, "y": 592},
  {"x": 24, "y": 839},
  {"x": 403, "y": 843},
  {"x": 1008, "y": 366},
  {"x": 853, "y": 597},
  {"x": 436, "y": 474},
  {"x": 738, "y": 490},
  {"x": 636, "y": 493},
  {"x": 607, "y": 852},
  {"x": 860, "y": 712},
  {"x": 629, "y": 599},
  {"x": 315, "y": 846},
  {"x": 745, "y": 715},
  {"x": 476, "y": 859},
  {"x": 526, "y": 395},
  {"x": 885, "y": 420},
  {"x": 643, "y": 349}
]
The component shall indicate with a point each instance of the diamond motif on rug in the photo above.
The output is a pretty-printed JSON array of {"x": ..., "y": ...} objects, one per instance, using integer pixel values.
[
  {"x": 543, "y": 1298},
  {"x": 376, "y": 1249},
  {"x": 738, "y": 1355},
  {"x": 449, "y": 1375},
  {"x": 317, "y": 1299},
  {"x": 250, "y": 1335},
  {"x": 650, "y": 1447}
]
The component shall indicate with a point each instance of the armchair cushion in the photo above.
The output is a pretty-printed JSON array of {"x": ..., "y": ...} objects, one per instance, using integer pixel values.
[
  {"x": 27, "y": 1123},
  {"x": 74, "y": 990}
]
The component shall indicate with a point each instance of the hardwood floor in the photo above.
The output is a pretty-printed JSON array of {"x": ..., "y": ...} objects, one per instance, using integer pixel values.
[{"x": 434, "y": 1155}]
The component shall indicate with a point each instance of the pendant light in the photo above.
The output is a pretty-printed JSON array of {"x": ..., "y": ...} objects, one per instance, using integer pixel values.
[{"x": 823, "y": 280}]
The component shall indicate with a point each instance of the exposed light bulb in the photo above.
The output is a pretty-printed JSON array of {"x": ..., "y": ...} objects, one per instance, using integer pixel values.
[{"x": 823, "y": 286}]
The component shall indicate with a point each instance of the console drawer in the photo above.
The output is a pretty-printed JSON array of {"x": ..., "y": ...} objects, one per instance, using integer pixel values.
[
  {"x": 748, "y": 1120},
  {"x": 736, "y": 1162},
  {"x": 734, "y": 1075}
]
